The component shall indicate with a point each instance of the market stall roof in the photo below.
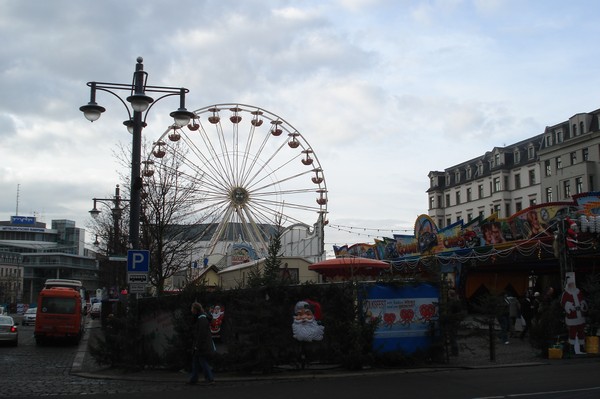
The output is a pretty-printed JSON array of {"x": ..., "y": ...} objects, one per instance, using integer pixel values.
[{"x": 349, "y": 267}]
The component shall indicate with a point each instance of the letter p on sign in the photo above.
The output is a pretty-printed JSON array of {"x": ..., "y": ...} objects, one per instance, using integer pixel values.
[{"x": 138, "y": 261}]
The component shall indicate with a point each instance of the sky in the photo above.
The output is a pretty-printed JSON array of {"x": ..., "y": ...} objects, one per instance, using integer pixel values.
[{"x": 385, "y": 91}]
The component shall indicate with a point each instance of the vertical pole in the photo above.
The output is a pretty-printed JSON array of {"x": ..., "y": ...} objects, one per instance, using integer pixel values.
[
  {"x": 116, "y": 218},
  {"x": 136, "y": 154}
]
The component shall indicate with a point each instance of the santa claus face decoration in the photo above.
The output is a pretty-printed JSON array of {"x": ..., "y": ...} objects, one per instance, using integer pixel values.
[{"x": 305, "y": 326}]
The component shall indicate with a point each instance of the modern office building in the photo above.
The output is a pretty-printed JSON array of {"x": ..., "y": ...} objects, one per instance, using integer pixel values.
[
  {"x": 548, "y": 167},
  {"x": 30, "y": 253}
]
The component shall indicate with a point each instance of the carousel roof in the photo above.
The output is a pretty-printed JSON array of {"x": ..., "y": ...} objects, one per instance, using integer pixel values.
[{"x": 349, "y": 266}]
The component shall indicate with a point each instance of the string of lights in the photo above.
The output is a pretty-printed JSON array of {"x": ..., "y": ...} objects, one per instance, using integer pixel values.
[{"x": 366, "y": 231}]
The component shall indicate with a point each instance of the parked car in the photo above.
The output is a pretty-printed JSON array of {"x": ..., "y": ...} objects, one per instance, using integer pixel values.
[
  {"x": 29, "y": 317},
  {"x": 96, "y": 310},
  {"x": 8, "y": 330}
]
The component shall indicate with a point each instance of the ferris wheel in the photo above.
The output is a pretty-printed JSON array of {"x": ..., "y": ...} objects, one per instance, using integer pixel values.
[{"x": 252, "y": 172}]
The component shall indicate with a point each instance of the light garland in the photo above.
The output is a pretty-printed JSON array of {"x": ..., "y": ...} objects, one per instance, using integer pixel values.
[{"x": 361, "y": 231}]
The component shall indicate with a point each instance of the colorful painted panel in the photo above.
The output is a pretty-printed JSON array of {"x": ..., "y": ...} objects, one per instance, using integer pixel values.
[
  {"x": 406, "y": 315},
  {"x": 525, "y": 228}
]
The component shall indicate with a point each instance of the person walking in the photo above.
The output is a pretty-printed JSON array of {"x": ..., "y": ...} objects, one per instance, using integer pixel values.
[
  {"x": 514, "y": 313},
  {"x": 203, "y": 346},
  {"x": 527, "y": 312},
  {"x": 504, "y": 318}
]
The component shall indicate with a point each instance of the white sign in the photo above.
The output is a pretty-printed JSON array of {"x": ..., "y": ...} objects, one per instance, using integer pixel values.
[
  {"x": 137, "y": 278},
  {"x": 137, "y": 288}
]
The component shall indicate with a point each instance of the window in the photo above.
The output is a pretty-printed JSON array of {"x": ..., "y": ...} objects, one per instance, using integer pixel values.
[
  {"x": 481, "y": 214},
  {"x": 532, "y": 201},
  {"x": 517, "y": 156},
  {"x": 480, "y": 191},
  {"x": 591, "y": 183},
  {"x": 531, "y": 152},
  {"x": 547, "y": 167},
  {"x": 505, "y": 182},
  {"x": 548, "y": 194},
  {"x": 433, "y": 182},
  {"x": 573, "y": 158},
  {"x": 585, "y": 154},
  {"x": 559, "y": 136},
  {"x": 457, "y": 176},
  {"x": 496, "y": 184},
  {"x": 517, "y": 181},
  {"x": 447, "y": 200},
  {"x": 448, "y": 221},
  {"x": 458, "y": 198},
  {"x": 578, "y": 185},
  {"x": 469, "y": 217},
  {"x": 479, "y": 169},
  {"x": 497, "y": 159},
  {"x": 575, "y": 130},
  {"x": 431, "y": 203},
  {"x": 440, "y": 223},
  {"x": 548, "y": 140},
  {"x": 469, "y": 194},
  {"x": 439, "y": 201},
  {"x": 468, "y": 173},
  {"x": 531, "y": 177},
  {"x": 518, "y": 206},
  {"x": 558, "y": 163},
  {"x": 566, "y": 189},
  {"x": 506, "y": 210},
  {"x": 497, "y": 209},
  {"x": 447, "y": 179},
  {"x": 581, "y": 129}
]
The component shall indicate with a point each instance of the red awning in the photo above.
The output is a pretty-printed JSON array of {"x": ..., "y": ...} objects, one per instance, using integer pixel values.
[{"x": 349, "y": 267}]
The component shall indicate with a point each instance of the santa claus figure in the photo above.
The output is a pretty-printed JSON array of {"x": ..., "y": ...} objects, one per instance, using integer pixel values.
[
  {"x": 305, "y": 326},
  {"x": 571, "y": 235},
  {"x": 575, "y": 306}
]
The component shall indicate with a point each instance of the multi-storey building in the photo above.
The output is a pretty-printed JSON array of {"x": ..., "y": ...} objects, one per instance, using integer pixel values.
[
  {"x": 548, "y": 167},
  {"x": 30, "y": 253}
]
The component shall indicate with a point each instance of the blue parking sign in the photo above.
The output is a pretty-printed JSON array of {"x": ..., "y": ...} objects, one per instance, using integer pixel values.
[{"x": 138, "y": 261}]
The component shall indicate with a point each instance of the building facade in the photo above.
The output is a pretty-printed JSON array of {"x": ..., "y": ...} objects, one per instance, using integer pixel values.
[
  {"x": 549, "y": 167},
  {"x": 30, "y": 253}
]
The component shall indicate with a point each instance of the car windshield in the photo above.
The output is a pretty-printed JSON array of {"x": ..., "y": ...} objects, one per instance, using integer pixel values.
[
  {"x": 6, "y": 321},
  {"x": 31, "y": 310}
]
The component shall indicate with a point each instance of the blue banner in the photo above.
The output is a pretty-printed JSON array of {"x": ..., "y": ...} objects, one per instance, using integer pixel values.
[{"x": 407, "y": 316}]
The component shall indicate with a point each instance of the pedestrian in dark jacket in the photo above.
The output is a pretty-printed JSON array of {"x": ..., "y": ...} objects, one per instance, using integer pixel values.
[
  {"x": 528, "y": 310},
  {"x": 203, "y": 347}
]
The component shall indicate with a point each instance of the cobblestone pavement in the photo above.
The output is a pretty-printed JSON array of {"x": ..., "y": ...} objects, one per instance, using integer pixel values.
[
  {"x": 29, "y": 370},
  {"x": 32, "y": 371}
]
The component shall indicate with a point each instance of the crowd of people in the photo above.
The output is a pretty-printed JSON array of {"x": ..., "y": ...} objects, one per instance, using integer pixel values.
[{"x": 519, "y": 315}]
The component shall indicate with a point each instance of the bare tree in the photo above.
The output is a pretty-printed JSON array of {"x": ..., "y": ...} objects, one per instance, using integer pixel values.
[
  {"x": 169, "y": 230},
  {"x": 168, "y": 227}
]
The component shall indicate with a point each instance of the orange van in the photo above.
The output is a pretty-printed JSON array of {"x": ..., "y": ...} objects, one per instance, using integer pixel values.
[{"x": 59, "y": 315}]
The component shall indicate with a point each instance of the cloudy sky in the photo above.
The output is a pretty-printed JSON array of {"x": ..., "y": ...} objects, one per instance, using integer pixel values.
[{"x": 384, "y": 90}]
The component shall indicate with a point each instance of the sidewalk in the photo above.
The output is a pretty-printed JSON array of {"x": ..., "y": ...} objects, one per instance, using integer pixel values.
[{"x": 474, "y": 352}]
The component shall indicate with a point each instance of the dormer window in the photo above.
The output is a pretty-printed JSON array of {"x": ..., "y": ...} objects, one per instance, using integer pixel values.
[
  {"x": 433, "y": 182},
  {"x": 480, "y": 169},
  {"x": 575, "y": 130},
  {"x": 457, "y": 176},
  {"x": 447, "y": 179},
  {"x": 531, "y": 152},
  {"x": 497, "y": 159},
  {"x": 581, "y": 130},
  {"x": 517, "y": 156},
  {"x": 559, "y": 136},
  {"x": 548, "y": 140},
  {"x": 468, "y": 173}
]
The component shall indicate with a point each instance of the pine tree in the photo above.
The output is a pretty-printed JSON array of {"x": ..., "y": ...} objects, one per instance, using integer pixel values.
[{"x": 272, "y": 274}]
